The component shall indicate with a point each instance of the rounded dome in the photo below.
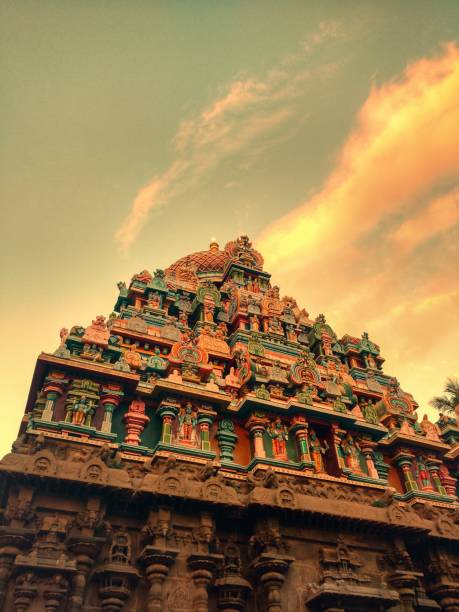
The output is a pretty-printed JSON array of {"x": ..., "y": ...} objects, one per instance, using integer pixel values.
[
  {"x": 215, "y": 261},
  {"x": 202, "y": 262}
]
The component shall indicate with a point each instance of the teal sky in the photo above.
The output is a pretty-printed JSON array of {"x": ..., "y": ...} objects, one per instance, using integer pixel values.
[{"x": 93, "y": 96}]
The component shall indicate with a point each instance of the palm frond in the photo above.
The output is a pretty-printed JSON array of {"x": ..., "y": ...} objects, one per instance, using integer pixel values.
[
  {"x": 452, "y": 388},
  {"x": 442, "y": 404}
]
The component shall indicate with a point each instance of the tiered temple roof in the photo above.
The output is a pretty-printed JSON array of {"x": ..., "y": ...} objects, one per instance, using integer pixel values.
[{"x": 205, "y": 367}]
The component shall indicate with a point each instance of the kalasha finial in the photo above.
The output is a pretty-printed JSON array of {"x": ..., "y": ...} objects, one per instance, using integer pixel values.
[{"x": 213, "y": 244}]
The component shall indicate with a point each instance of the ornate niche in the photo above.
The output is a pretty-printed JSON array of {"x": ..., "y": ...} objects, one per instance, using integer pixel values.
[
  {"x": 344, "y": 585},
  {"x": 82, "y": 402},
  {"x": 278, "y": 435},
  {"x": 116, "y": 577},
  {"x": 189, "y": 359},
  {"x": 353, "y": 459},
  {"x": 185, "y": 430},
  {"x": 47, "y": 569},
  {"x": 187, "y": 426}
]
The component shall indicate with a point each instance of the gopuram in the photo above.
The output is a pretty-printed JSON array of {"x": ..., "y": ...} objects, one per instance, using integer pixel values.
[{"x": 210, "y": 447}]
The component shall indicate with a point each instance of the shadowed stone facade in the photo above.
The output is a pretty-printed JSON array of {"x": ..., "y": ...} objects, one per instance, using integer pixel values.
[{"x": 211, "y": 447}]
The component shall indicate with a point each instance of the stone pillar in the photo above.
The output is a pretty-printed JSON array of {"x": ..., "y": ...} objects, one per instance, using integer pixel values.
[
  {"x": 202, "y": 568},
  {"x": 338, "y": 435},
  {"x": 442, "y": 579},
  {"x": 367, "y": 450},
  {"x": 205, "y": 419},
  {"x": 405, "y": 583},
  {"x": 271, "y": 570},
  {"x": 232, "y": 588},
  {"x": 135, "y": 420},
  {"x": 11, "y": 544},
  {"x": 55, "y": 593},
  {"x": 433, "y": 467},
  {"x": 53, "y": 388},
  {"x": 226, "y": 439},
  {"x": 447, "y": 481},
  {"x": 256, "y": 426},
  {"x": 6, "y": 564},
  {"x": 404, "y": 463},
  {"x": 25, "y": 591},
  {"x": 157, "y": 563},
  {"x": 110, "y": 399},
  {"x": 168, "y": 412},
  {"x": 115, "y": 585},
  {"x": 300, "y": 429},
  {"x": 85, "y": 552}
]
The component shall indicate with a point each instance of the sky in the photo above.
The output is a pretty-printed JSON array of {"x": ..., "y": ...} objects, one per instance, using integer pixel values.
[{"x": 132, "y": 132}]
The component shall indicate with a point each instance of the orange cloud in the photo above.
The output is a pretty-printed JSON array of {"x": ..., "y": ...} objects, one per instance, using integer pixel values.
[
  {"x": 439, "y": 214},
  {"x": 405, "y": 142}
]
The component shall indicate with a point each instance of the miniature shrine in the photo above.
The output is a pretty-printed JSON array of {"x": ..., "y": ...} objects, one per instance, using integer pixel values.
[{"x": 211, "y": 446}]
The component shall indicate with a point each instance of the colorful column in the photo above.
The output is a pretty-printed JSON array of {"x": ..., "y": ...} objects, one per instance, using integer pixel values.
[
  {"x": 367, "y": 450},
  {"x": 205, "y": 421},
  {"x": 110, "y": 400},
  {"x": 135, "y": 420},
  {"x": 300, "y": 429},
  {"x": 168, "y": 412},
  {"x": 433, "y": 467},
  {"x": 338, "y": 435},
  {"x": 256, "y": 426},
  {"x": 53, "y": 388},
  {"x": 227, "y": 439},
  {"x": 404, "y": 463}
]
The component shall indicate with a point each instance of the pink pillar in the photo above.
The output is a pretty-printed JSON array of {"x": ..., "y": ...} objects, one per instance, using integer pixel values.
[{"x": 135, "y": 420}]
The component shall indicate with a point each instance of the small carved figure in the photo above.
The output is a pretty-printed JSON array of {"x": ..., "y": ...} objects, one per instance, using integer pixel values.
[
  {"x": 430, "y": 430},
  {"x": 351, "y": 452},
  {"x": 371, "y": 362},
  {"x": 421, "y": 473},
  {"x": 122, "y": 288},
  {"x": 132, "y": 357},
  {"x": 276, "y": 391},
  {"x": 37, "y": 444},
  {"x": 111, "y": 457},
  {"x": 208, "y": 470},
  {"x": 386, "y": 499},
  {"x": 120, "y": 550},
  {"x": 80, "y": 412},
  {"x": 97, "y": 332},
  {"x": 279, "y": 435},
  {"x": 62, "y": 350},
  {"x": 262, "y": 392},
  {"x": 268, "y": 479},
  {"x": 369, "y": 411},
  {"x": 154, "y": 300},
  {"x": 122, "y": 365},
  {"x": 317, "y": 450},
  {"x": 187, "y": 421},
  {"x": 91, "y": 352}
]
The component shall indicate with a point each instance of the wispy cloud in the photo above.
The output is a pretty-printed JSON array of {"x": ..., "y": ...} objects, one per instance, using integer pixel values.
[
  {"x": 405, "y": 141},
  {"x": 436, "y": 217},
  {"x": 378, "y": 241},
  {"x": 243, "y": 120}
]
